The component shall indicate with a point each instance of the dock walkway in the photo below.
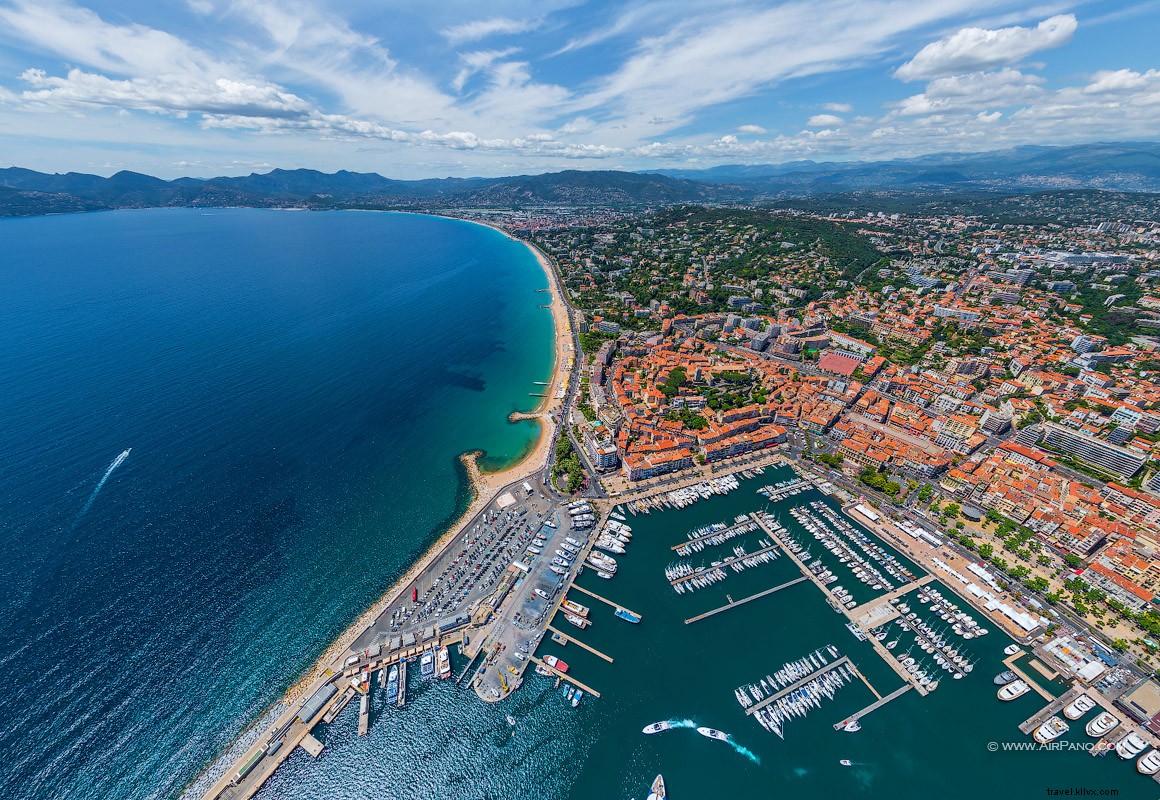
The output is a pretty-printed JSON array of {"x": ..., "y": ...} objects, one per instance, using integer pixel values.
[
  {"x": 1009, "y": 662},
  {"x": 570, "y": 639},
  {"x": 565, "y": 677},
  {"x": 590, "y": 593},
  {"x": 724, "y": 564},
  {"x": 793, "y": 687},
  {"x": 1048, "y": 711},
  {"x": 744, "y": 600},
  {"x": 877, "y": 704},
  {"x": 723, "y": 532}
]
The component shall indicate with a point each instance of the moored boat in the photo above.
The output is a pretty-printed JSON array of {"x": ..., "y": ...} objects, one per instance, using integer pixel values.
[
  {"x": 657, "y": 790},
  {"x": 1130, "y": 746},
  {"x": 1016, "y": 688},
  {"x": 1078, "y": 707},
  {"x": 1102, "y": 724},
  {"x": 1012, "y": 649},
  {"x": 1050, "y": 730},
  {"x": 558, "y": 664},
  {"x": 1149, "y": 763},
  {"x": 627, "y": 616},
  {"x": 1004, "y": 678},
  {"x": 443, "y": 662}
]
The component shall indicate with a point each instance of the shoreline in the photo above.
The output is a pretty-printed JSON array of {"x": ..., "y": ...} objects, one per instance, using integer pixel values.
[{"x": 483, "y": 488}]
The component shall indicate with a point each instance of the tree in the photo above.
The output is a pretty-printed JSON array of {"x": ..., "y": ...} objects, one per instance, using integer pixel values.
[
  {"x": 1072, "y": 560},
  {"x": 1038, "y": 584},
  {"x": 986, "y": 550},
  {"x": 1120, "y": 644},
  {"x": 952, "y": 509},
  {"x": 925, "y": 493}
]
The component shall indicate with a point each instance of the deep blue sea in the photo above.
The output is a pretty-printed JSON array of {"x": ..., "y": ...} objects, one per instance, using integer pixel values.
[{"x": 294, "y": 389}]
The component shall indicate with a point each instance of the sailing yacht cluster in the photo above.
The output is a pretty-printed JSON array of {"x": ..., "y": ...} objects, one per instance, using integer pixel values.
[
  {"x": 852, "y": 547},
  {"x": 783, "y": 489},
  {"x": 716, "y": 534},
  {"x": 683, "y": 576},
  {"x": 794, "y": 689},
  {"x": 686, "y": 496}
]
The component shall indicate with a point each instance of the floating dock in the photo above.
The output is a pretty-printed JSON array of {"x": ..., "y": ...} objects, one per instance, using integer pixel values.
[
  {"x": 566, "y": 639},
  {"x": 402, "y": 701},
  {"x": 364, "y": 714},
  {"x": 579, "y": 588},
  {"x": 1050, "y": 710},
  {"x": 744, "y": 600},
  {"x": 564, "y": 677},
  {"x": 1009, "y": 662},
  {"x": 793, "y": 687},
  {"x": 877, "y": 704},
  {"x": 311, "y": 745}
]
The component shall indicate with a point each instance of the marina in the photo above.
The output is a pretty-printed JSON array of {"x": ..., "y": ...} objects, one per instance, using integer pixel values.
[{"x": 903, "y": 631}]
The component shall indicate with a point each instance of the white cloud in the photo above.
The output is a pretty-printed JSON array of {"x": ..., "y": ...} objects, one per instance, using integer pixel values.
[
  {"x": 994, "y": 116},
  {"x": 483, "y": 28},
  {"x": 477, "y": 61},
  {"x": 972, "y": 49},
  {"x": 841, "y": 108},
  {"x": 1119, "y": 80},
  {"x": 973, "y": 92},
  {"x": 825, "y": 121},
  {"x": 750, "y": 129}
]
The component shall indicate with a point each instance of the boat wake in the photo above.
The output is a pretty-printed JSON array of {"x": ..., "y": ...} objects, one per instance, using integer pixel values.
[
  {"x": 92, "y": 497},
  {"x": 682, "y": 723},
  {"x": 745, "y": 751}
]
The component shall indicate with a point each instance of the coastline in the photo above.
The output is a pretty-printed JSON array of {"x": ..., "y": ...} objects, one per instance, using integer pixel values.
[{"x": 483, "y": 486}]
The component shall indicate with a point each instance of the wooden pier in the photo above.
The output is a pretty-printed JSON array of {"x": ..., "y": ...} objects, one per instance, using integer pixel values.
[
  {"x": 899, "y": 592},
  {"x": 580, "y": 588},
  {"x": 793, "y": 687},
  {"x": 311, "y": 745},
  {"x": 565, "y": 677},
  {"x": 402, "y": 701},
  {"x": 723, "y": 564},
  {"x": 723, "y": 532},
  {"x": 364, "y": 714},
  {"x": 1050, "y": 710},
  {"x": 587, "y": 647},
  {"x": 744, "y": 600},
  {"x": 877, "y": 704}
]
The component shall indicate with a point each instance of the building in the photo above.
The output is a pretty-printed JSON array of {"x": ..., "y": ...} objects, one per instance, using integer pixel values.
[{"x": 1117, "y": 460}]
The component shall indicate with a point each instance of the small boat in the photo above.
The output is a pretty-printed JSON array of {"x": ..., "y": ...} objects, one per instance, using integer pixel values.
[
  {"x": 1016, "y": 688},
  {"x": 713, "y": 733},
  {"x": 657, "y": 790},
  {"x": 427, "y": 664},
  {"x": 1004, "y": 678},
  {"x": 1050, "y": 730},
  {"x": 511, "y": 720},
  {"x": 1012, "y": 649},
  {"x": 845, "y": 762},
  {"x": 1080, "y": 706},
  {"x": 1130, "y": 746},
  {"x": 1102, "y": 724},
  {"x": 657, "y": 727},
  {"x": 627, "y": 616},
  {"x": 542, "y": 670},
  {"x": 558, "y": 664},
  {"x": 577, "y": 697},
  {"x": 853, "y": 726},
  {"x": 575, "y": 608},
  {"x": 1149, "y": 764},
  {"x": 443, "y": 662}
]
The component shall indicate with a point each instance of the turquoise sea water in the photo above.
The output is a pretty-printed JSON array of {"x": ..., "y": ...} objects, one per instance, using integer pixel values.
[{"x": 294, "y": 389}]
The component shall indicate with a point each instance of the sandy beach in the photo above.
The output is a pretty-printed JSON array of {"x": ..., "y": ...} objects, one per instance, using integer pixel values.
[{"x": 484, "y": 487}]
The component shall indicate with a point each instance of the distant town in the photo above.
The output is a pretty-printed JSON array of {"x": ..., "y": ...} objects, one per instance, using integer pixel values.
[{"x": 1000, "y": 380}]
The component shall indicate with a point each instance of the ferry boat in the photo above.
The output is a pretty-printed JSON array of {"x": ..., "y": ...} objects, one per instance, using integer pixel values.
[
  {"x": 575, "y": 608},
  {"x": 1016, "y": 688},
  {"x": 657, "y": 790},
  {"x": 427, "y": 664},
  {"x": 627, "y": 616},
  {"x": 1080, "y": 706},
  {"x": 1004, "y": 678},
  {"x": 443, "y": 660},
  {"x": 713, "y": 733},
  {"x": 1130, "y": 746},
  {"x": 1149, "y": 764},
  {"x": 1102, "y": 724},
  {"x": 657, "y": 727},
  {"x": 393, "y": 684},
  {"x": 1050, "y": 730},
  {"x": 556, "y": 663}
]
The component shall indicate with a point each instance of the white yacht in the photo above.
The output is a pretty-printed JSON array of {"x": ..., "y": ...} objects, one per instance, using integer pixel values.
[
  {"x": 1130, "y": 746},
  {"x": 1149, "y": 764},
  {"x": 1012, "y": 649},
  {"x": 1078, "y": 707},
  {"x": 657, "y": 791},
  {"x": 1102, "y": 724},
  {"x": 657, "y": 727},
  {"x": 713, "y": 733},
  {"x": 1050, "y": 730},
  {"x": 1012, "y": 690}
]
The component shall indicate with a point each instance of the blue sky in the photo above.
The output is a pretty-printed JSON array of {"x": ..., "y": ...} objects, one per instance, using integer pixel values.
[{"x": 216, "y": 87}]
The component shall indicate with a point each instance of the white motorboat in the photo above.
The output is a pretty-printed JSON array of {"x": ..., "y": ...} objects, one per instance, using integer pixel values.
[
  {"x": 1149, "y": 763},
  {"x": 1012, "y": 649},
  {"x": 713, "y": 733},
  {"x": 1016, "y": 688},
  {"x": 1130, "y": 746},
  {"x": 1102, "y": 724},
  {"x": 657, "y": 727},
  {"x": 657, "y": 790},
  {"x": 1080, "y": 706},
  {"x": 1050, "y": 730}
]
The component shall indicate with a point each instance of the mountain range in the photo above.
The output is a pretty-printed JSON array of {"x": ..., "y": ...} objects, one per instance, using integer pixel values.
[{"x": 1123, "y": 166}]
